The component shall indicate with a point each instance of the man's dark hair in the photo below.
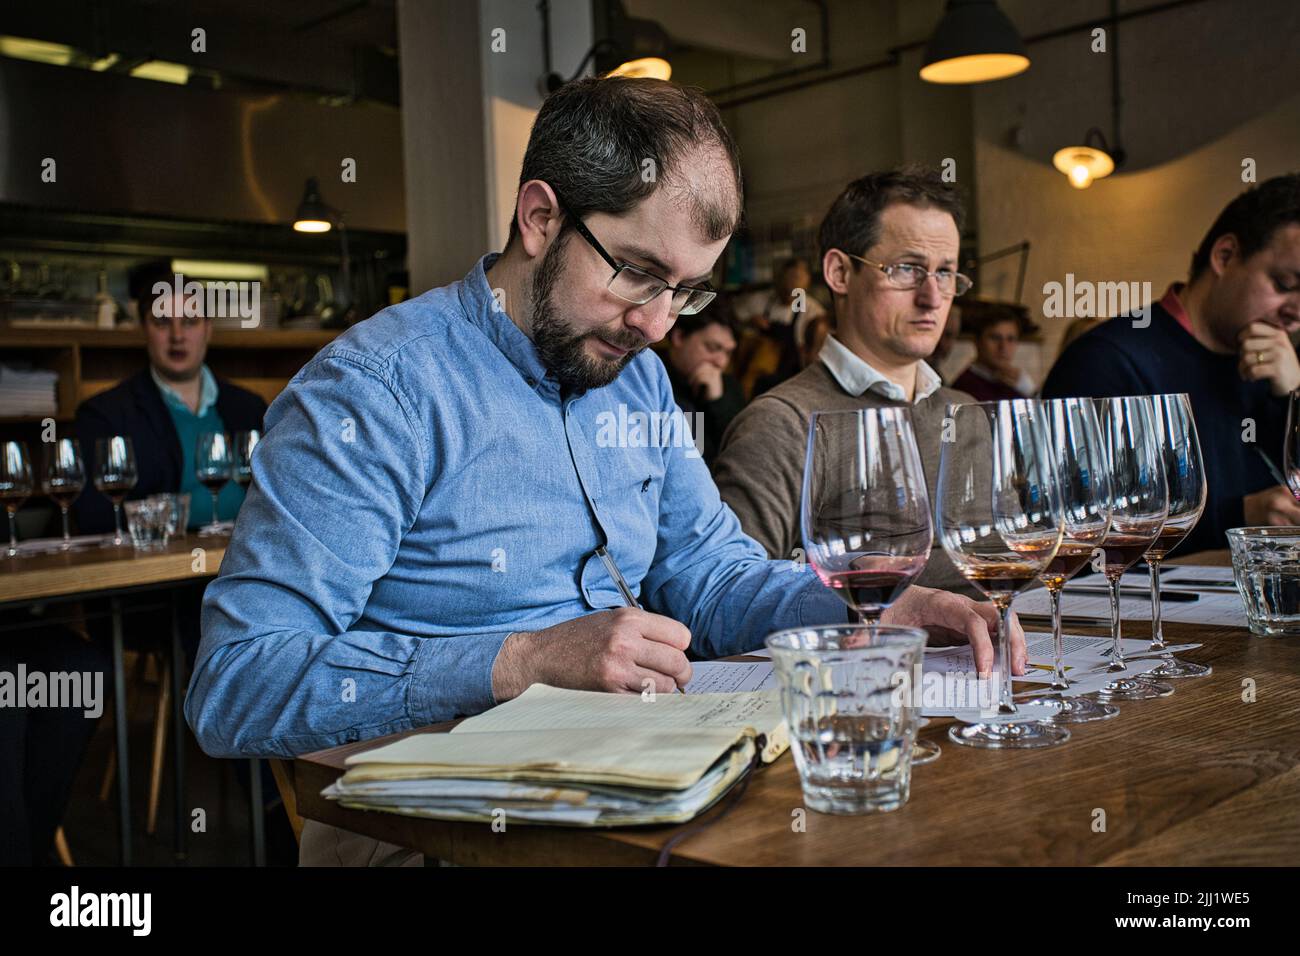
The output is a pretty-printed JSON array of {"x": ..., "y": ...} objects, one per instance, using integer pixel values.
[
  {"x": 1253, "y": 217},
  {"x": 853, "y": 223},
  {"x": 606, "y": 143},
  {"x": 719, "y": 312}
]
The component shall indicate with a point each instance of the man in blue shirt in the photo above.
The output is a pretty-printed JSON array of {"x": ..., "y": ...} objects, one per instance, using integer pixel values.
[{"x": 419, "y": 540}]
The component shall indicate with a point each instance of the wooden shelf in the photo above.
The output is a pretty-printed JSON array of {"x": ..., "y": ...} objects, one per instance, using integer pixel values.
[{"x": 90, "y": 361}]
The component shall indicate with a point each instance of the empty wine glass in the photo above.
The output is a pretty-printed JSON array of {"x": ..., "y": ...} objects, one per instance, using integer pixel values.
[
  {"x": 998, "y": 516},
  {"x": 115, "y": 475},
  {"x": 1185, "y": 477},
  {"x": 16, "y": 485},
  {"x": 1079, "y": 454},
  {"x": 245, "y": 442},
  {"x": 64, "y": 479},
  {"x": 1291, "y": 445},
  {"x": 1139, "y": 505},
  {"x": 865, "y": 511},
  {"x": 212, "y": 466}
]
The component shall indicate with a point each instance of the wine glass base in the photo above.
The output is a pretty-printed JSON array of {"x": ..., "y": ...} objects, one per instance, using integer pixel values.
[
  {"x": 1076, "y": 710},
  {"x": 1128, "y": 688},
  {"x": 210, "y": 531},
  {"x": 1171, "y": 666},
  {"x": 1019, "y": 736},
  {"x": 925, "y": 752}
]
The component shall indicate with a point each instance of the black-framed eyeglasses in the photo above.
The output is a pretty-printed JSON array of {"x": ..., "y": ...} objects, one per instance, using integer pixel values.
[
  {"x": 638, "y": 286},
  {"x": 908, "y": 275}
]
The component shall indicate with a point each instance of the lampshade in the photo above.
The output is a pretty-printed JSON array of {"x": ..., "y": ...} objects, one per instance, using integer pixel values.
[
  {"x": 1083, "y": 164},
  {"x": 654, "y": 67},
  {"x": 973, "y": 43},
  {"x": 313, "y": 214}
]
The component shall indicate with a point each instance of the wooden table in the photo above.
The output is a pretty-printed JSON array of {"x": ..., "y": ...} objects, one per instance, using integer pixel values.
[
  {"x": 112, "y": 573},
  {"x": 1199, "y": 778}
]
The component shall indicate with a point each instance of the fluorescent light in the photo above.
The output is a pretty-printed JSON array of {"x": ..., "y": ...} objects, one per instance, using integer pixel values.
[
  {"x": 162, "y": 71},
  {"x": 212, "y": 269},
  {"x": 38, "y": 51}
]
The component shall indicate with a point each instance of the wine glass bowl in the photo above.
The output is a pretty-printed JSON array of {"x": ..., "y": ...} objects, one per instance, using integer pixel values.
[
  {"x": 16, "y": 485},
  {"x": 64, "y": 479},
  {"x": 1139, "y": 509},
  {"x": 998, "y": 517},
  {"x": 115, "y": 476}
]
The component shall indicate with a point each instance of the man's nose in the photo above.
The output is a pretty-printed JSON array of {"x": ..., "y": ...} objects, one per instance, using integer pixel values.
[
  {"x": 927, "y": 293},
  {"x": 654, "y": 319}
]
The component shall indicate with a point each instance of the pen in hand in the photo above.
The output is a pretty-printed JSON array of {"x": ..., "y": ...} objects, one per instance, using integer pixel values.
[{"x": 628, "y": 597}]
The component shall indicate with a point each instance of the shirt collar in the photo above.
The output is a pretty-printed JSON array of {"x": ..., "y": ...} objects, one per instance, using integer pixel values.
[
  {"x": 857, "y": 377},
  {"x": 172, "y": 398},
  {"x": 483, "y": 309}
]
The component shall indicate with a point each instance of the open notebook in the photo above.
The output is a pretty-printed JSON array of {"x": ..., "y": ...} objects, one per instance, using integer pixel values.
[{"x": 573, "y": 757}]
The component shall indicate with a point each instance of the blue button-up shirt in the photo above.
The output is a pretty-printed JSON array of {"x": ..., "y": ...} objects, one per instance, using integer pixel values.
[{"x": 425, "y": 488}]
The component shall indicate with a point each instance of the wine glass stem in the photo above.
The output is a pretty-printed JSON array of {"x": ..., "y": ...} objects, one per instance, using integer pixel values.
[
  {"x": 117, "y": 522},
  {"x": 215, "y": 495},
  {"x": 1157, "y": 629},
  {"x": 13, "y": 534},
  {"x": 1058, "y": 642},
  {"x": 1005, "y": 705},
  {"x": 1116, "y": 645},
  {"x": 67, "y": 535}
]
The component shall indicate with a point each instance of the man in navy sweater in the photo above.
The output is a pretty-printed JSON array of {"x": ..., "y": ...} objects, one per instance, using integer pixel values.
[{"x": 1224, "y": 339}]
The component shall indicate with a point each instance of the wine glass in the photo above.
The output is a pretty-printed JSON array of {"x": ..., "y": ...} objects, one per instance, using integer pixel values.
[
  {"x": 1079, "y": 454},
  {"x": 16, "y": 485},
  {"x": 115, "y": 475},
  {"x": 998, "y": 515},
  {"x": 1139, "y": 501},
  {"x": 1291, "y": 446},
  {"x": 64, "y": 479},
  {"x": 1185, "y": 477},
  {"x": 245, "y": 442},
  {"x": 212, "y": 466},
  {"x": 865, "y": 511}
]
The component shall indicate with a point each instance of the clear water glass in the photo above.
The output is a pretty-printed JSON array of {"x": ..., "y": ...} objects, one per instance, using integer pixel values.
[
  {"x": 847, "y": 692},
  {"x": 1266, "y": 567}
]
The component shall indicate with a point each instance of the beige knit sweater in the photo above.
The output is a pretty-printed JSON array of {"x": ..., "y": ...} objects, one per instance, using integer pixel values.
[{"x": 759, "y": 471}]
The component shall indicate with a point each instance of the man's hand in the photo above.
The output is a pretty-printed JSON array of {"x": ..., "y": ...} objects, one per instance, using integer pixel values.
[
  {"x": 607, "y": 650},
  {"x": 1267, "y": 353},
  {"x": 948, "y": 615},
  {"x": 1274, "y": 505},
  {"x": 706, "y": 380}
]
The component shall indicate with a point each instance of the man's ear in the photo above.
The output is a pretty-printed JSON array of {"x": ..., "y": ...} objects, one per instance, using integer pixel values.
[
  {"x": 538, "y": 216},
  {"x": 835, "y": 269},
  {"x": 1223, "y": 251}
]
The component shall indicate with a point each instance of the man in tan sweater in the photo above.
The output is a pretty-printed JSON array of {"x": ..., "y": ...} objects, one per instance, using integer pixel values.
[{"x": 889, "y": 254}]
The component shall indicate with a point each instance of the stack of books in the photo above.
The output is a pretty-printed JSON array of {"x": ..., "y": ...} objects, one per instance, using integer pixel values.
[
  {"x": 578, "y": 758},
  {"x": 28, "y": 392}
]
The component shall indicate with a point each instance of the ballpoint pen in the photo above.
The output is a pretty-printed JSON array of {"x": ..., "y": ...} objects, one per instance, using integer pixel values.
[
  {"x": 621, "y": 583},
  {"x": 1273, "y": 469}
]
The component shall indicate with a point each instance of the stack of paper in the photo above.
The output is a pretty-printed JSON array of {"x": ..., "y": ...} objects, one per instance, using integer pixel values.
[
  {"x": 28, "y": 392},
  {"x": 572, "y": 757}
]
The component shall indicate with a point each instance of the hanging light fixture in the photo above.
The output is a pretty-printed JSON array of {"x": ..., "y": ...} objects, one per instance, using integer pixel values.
[
  {"x": 313, "y": 214},
  {"x": 1083, "y": 164},
  {"x": 1096, "y": 158},
  {"x": 973, "y": 43},
  {"x": 630, "y": 46}
]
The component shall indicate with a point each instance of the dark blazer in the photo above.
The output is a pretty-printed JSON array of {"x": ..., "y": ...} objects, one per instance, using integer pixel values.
[{"x": 135, "y": 408}]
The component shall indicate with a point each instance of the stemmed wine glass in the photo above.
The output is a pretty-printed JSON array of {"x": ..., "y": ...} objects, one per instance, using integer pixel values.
[
  {"x": 998, "y": 515},
  {"x": 1079, "y": 454},
  {"x": 245, "y": 442},
  {"x": 1185, "y": 476},
  {"x": 1291, "y": 445},
  {"x": 64, "y": 479},
  {"x": 16, "y": 485},
  {"x": 115, "y": 476},
  {"x": 212, "y": 466},
  {"x": 1139, "y": 501},
  {"x": 865, "y": 511}
]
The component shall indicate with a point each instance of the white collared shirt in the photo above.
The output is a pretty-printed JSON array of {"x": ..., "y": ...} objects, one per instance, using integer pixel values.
[{"x": 857, "y": 377}]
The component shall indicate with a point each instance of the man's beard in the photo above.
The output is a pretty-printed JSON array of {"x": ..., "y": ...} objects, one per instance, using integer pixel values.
[{"x": 559, "y": 346}]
